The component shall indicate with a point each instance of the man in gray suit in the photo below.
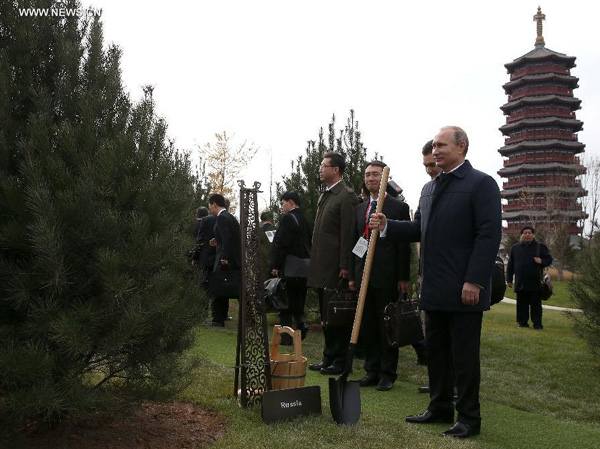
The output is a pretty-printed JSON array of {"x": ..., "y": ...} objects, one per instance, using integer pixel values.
[{"x": 330, "y": 253}]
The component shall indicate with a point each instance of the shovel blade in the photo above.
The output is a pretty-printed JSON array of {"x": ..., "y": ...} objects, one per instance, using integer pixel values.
[{"x": 344, "y": 400}]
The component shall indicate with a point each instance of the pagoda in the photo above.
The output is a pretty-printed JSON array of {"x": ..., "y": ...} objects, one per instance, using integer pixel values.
[{"x": 540, "y": 145}]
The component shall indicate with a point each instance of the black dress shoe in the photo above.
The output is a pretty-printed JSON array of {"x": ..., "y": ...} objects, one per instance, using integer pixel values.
[
  {"x": 428, "y": 417},
  {"x": 317, "y": 366},
  {"x": 423, "y": 389},
  {"x": 217, "y": 324},
  {"x": 460, "y": 430},
  {"x": 368, "y": 380},
  {"x": 332, "y": 370},
  {"x": 384, "y": 384}
]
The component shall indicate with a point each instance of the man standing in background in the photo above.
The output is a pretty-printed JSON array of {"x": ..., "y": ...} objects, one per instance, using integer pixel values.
[
  {"x": 330, "y": 254},
  {"x": 527, "y": 260},
  {"x": 389, "y": 276},
  {"x": 228, "y": 251}
]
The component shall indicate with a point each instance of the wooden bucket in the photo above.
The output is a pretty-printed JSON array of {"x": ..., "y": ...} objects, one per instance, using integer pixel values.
[{"x": 287, "y": 370}]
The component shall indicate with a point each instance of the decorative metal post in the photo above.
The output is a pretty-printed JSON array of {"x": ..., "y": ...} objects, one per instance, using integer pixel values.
[{"x": 252, "y": 354}]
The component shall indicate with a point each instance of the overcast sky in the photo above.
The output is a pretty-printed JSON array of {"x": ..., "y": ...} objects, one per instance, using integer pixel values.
[{"x": 274, "y": 71}]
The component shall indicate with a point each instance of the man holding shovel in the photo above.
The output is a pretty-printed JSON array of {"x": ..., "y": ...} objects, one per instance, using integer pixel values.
[
  {"x": 458, "y": 223},
  {"x": 389, "y": 276}
]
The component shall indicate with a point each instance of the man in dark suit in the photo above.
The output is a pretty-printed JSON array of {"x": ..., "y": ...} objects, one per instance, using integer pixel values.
[
  {"x": 228, "y": 251},
  {"x": 527, "y": 260},
  {"x": 459, "y": 225},
  {"x": 390, "y": 274},
  {"x": 293, "y": 238},
  {"x": 330, "y": 254},
  {"x": 204, "y": 255}
]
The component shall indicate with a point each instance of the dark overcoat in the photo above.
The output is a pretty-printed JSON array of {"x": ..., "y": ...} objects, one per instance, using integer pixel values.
[
  {"x": 293, "y": 237},
  {"x": 391, "y": 261},
  {"x": 459, "y": 226},
  {"x": 521, "y": 265},
  {"x": 228, "y": 237},
  {"x": 206, "y": 255},
  {"x": 331, "y": 244}
]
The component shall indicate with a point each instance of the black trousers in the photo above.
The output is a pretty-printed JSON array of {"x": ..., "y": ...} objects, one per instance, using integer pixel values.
[
  {"x": 453, "y": 341},
  {"x": 337, "y": 340},
  {"x": 529, "y": 300},
  {"x": 380, "y": 359},
  {"x": 219, "y": 308},
  {"x": 296, "y": 292}
]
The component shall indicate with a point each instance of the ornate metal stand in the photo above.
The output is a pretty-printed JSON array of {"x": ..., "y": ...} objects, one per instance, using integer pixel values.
[{"x": 252, "y": 341}]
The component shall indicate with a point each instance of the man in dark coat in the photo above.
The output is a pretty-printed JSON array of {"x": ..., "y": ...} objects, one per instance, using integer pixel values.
[
  {"x": 228, "y": 251},
  {"x": 390, "y": 274},
  {"x": 204, "y": 255},
  {"x": 330, "y": 253},
  {"x": 527, "y": 260},
  {"x": 293, "y": 238},
  {"x": 459, "y": 225}
]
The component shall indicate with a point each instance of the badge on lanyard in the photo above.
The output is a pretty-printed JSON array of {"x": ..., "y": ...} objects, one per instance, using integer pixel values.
[{"x": 360, "y": 249}]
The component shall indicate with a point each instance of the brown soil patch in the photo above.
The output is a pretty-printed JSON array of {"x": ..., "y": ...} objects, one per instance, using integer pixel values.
[{"x": 151, "y": 426}]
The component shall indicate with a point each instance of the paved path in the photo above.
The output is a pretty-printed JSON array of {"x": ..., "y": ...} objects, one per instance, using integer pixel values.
[{"x": 563, "y": 309}]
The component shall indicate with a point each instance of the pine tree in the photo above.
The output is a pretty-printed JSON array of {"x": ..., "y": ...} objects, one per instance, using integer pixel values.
[
  {"x": 95, "y": 293},
  {"x": 584, "y": 291},
  {"x": 304, "y": 177}
]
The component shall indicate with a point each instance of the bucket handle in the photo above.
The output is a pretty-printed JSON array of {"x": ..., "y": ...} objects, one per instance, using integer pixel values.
[{"x": 295, "y": 334}]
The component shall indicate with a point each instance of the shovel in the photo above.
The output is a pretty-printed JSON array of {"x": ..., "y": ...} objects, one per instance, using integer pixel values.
[{"x": 344, "y": 396}]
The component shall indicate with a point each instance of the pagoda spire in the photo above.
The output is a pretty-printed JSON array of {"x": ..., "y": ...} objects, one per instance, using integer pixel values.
[{"x": 539, "y": 41}]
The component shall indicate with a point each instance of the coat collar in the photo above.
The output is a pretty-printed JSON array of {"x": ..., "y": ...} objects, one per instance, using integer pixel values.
[
  {"x": 337, "y": 188},
  {"x": 462, "y": 171}
]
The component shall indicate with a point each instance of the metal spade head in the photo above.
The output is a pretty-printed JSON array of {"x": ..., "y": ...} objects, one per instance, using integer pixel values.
[{"x": 344, "y": 400}]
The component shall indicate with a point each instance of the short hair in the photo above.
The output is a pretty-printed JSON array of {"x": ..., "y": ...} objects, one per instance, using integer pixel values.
[
  {"x": 459, "y": 135},
  {"x": 337, "y": 160},
  {"x": 427, "y": 148},
  {"x": 202, "y": 212},
  {"x": 227, "y": 203},
  {"x": 266, "y": 216},
  {"x": 526, "y": 227},
  {"x": 217, "y": 199},
  {"x": 291, "y": 195},
  {"x": 376, "y": 163}
]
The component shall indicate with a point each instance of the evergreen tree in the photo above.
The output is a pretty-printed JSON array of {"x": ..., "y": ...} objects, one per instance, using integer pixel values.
[
  {"x": 304, "y": 176},
  {"x": 95, "y": 296},
  {"x": 584, "y": 291}
]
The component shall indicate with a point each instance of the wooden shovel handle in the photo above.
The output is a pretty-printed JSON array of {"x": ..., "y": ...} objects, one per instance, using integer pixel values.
[{"x": 369, "y": 261}]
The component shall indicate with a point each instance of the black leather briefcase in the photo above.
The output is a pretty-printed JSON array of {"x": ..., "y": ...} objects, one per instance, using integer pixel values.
[
  {"x": 225, "y": 283},
  {"x": 402, "y": 323},
  {"x": 339, "y": 308}
]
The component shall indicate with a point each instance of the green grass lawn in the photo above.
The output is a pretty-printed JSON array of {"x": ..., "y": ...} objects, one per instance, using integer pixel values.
[
  {"x": 560, "y": 297},
  {"x": 540, "y": 389}
]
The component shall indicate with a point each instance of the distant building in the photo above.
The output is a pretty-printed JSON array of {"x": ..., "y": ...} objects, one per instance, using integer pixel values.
[{"x": 541, "y": 146}]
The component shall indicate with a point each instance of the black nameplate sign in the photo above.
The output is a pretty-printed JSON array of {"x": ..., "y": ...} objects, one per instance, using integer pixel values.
[{"x": 279, "y": 405}]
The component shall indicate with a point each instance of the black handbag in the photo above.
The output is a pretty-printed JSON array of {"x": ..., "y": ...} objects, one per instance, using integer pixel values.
[
  {"x": 295, "y": 267},
  {"x": 225, "y": 283},
  {"x": 339, "y": 307},
  {"x": 402, "y": 323},
  {"x": 276, "y": 294},
  {"x": 546, "y": 287}
]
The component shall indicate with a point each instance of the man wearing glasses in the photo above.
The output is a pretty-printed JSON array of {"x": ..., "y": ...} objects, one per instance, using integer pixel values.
[{"x": 330, "y": 253}]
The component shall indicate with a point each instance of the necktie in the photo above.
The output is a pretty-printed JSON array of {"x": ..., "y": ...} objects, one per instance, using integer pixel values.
[{"x": 373, "y": 208}]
